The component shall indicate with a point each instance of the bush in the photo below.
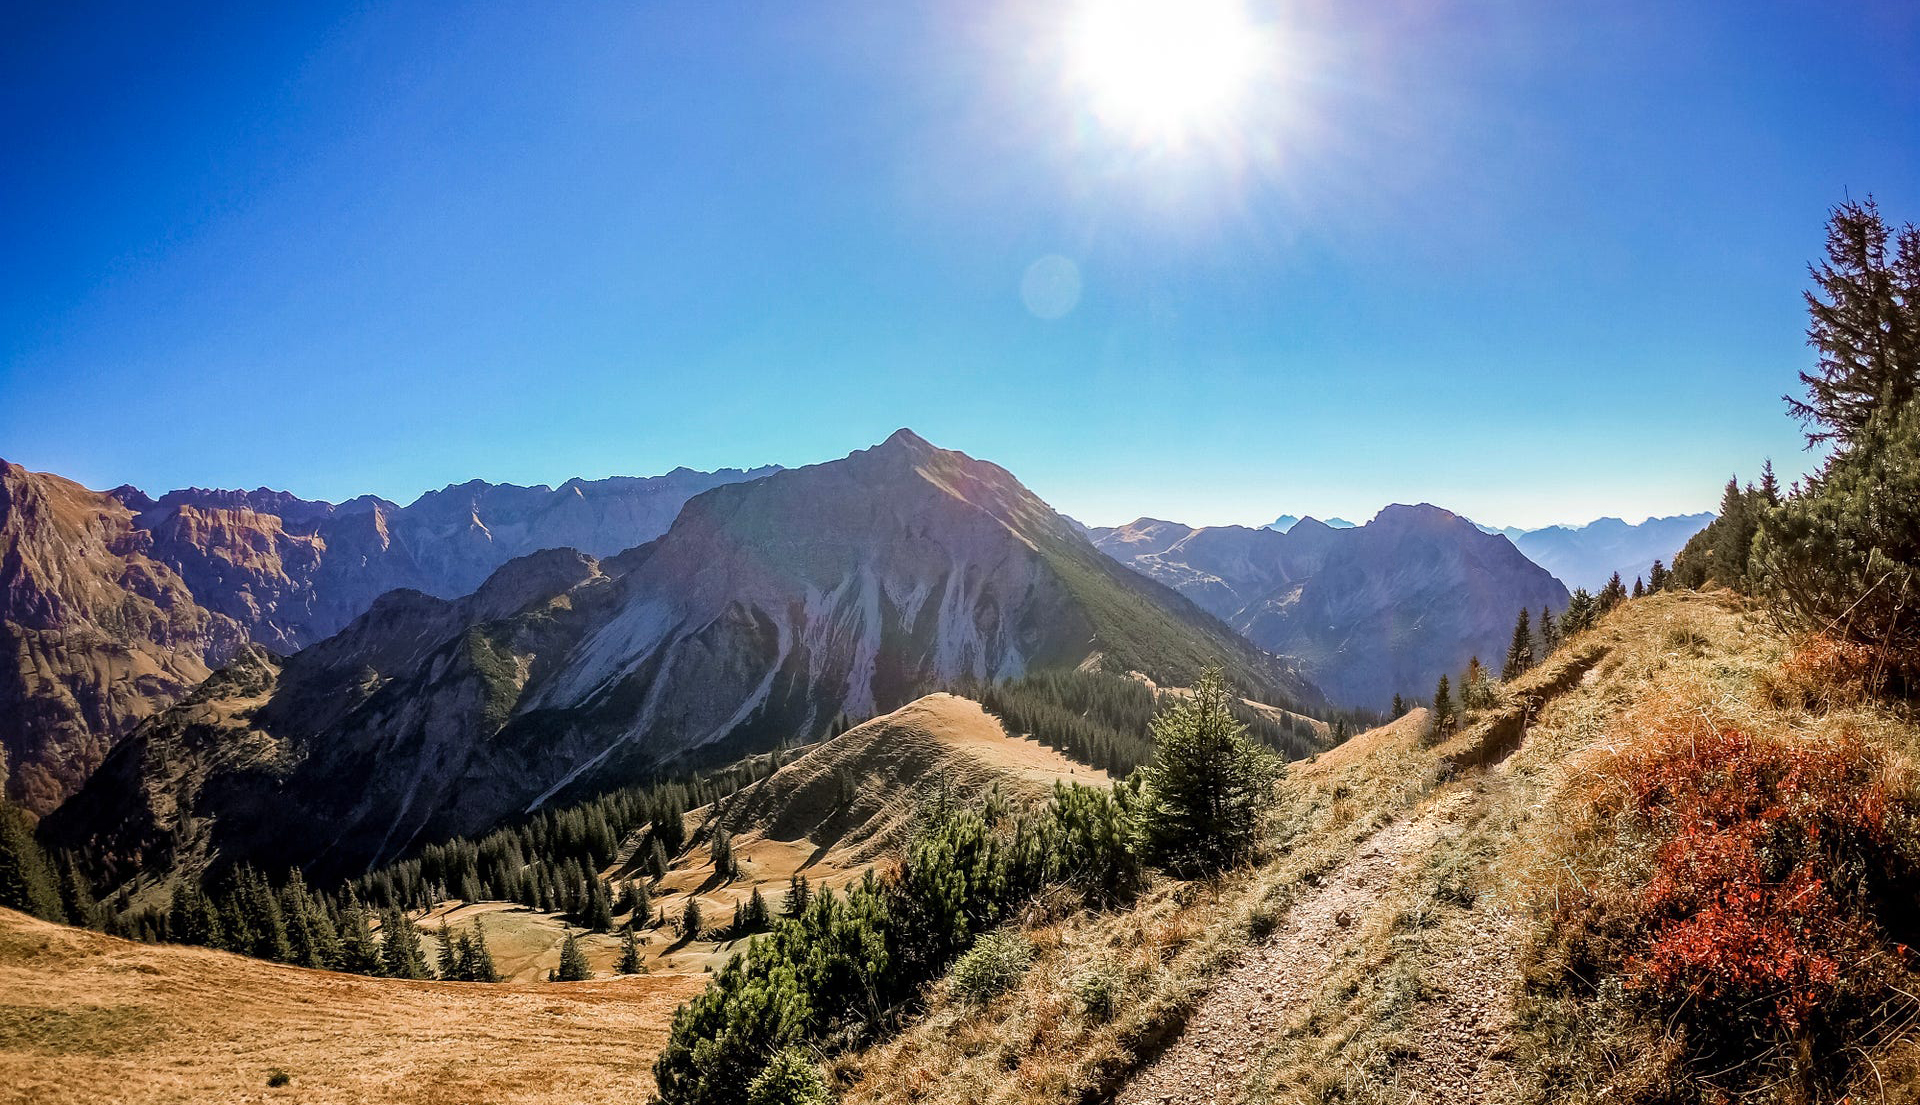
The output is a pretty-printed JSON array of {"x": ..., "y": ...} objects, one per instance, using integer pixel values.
[
  {"x": 1097, "y": 989},
  {"x": 1768, "y": 930},
  {"x": 789, "y": 1079},
  {"x": 994, "y": 963}
]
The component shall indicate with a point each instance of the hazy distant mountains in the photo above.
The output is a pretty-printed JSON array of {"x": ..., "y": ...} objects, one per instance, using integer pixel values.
[
  {"x": 767, "y": 609},
  {"x": 1286, "y": 522},
  {"x": 1587, "y": 556},
  {"x": 1370, "y": 611},
  {"x": 113, "y": 604}
]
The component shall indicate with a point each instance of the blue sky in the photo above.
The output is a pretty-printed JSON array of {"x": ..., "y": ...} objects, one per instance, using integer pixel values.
[{"x": 1534, "y": 262}]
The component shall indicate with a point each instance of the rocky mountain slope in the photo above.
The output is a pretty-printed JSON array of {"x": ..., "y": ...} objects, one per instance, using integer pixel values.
[
  {"x": 1377, "y": 610},
  {"x": 113, "y": 603},
  {"x": 769, "y": 609}
]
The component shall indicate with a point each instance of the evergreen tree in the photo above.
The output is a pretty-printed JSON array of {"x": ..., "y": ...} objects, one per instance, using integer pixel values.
[
  {"x": 599, "y": 912},
  {"x": 573, "y": 962},
  {"x": 639, "y": 902},
  {"x": 1769, "y": 484},
  {"x": 1843, "y": 556},
  {"x": 724, "y": 863},
  {"x": 629, "y": 963},
  {"x": 1549, "y": 632},
  {"x": 1612, "y": 595},
  {"x": 1207, "y": 784},
  {"x": 657, "y": 860},
  {"x": 1639, "y": 588},
  {"x": 449, "y": 959},
  {"x": 789, "y": 1079},
  {"x": 474, "y": 962},
  {"x": 1443, "y": 708},
  {"x": 1399, "y": 706},
  {"x": 358, "y": 955},
  {"x": 400, "y": 952},
  {"x": 1580, "y": 614},
  {"x": 756, "y": 915},
  {"x": 692, "y": 921},
  {"x": 76, "y": 897},
  {"x": 192, "y": 918},
  {"x": 1657, "y": 577},
  {"x": 669, "y": 824},
  {"x": 1520, "y": 652},
  {"x": 26, "y": 878},
  {"x": 799, "y": 895},
  {"x": 1864, "y": 320}
]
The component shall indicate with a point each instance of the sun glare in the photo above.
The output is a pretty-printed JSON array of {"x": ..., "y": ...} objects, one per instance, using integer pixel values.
[{"x": 1163, "y": 70}]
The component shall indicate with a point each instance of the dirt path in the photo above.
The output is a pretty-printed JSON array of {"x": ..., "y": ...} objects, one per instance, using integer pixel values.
[
  {"x": 1462, "y": 1035},
  {"x": 1208, "y": 1063}
]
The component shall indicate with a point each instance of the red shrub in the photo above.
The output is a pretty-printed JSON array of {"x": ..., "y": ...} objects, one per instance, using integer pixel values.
[{"x": 1779, "y": 867}]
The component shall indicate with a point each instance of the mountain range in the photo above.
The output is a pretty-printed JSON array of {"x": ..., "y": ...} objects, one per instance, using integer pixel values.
[
  {"x": 1371, "y": 611},
  {"x": 1587, "y": 556},
  {"x": 770, "y": 608},
  {"x": 113, "y": 604},
  {"x": 1286, "y": 522}
]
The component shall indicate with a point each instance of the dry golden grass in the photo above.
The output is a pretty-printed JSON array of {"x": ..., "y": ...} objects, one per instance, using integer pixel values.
[
  {"x": 1446, "y": 939},
  {"x": 85, "y": 1017}
]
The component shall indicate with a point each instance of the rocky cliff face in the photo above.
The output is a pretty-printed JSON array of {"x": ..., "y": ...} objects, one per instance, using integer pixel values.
[
  {"x": 98, "y": 632},
  {"x": 1372, "y": 611},
  {"x": 116, "y": 603},
  {"x": 768, "y": 609}
]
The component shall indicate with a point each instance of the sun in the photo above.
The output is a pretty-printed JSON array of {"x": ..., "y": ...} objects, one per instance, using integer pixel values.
[{"x": 1163, "y": 71}]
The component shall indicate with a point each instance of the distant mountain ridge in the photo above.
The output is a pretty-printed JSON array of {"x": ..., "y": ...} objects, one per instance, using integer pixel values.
[
  {"x": 1286, "y": 522},
  {"x": 114, "y": 603},
  {"x": 1372, "y": 611},
  {"x": 1588, "y": 555},
  {"x": 768, "y": 609}
]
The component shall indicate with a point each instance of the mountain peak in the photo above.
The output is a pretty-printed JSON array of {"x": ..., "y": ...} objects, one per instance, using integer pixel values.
[{"x": 904, "y": 438}]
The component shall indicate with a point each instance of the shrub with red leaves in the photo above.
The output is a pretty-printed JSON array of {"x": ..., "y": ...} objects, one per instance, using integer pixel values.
[{"x": 1782, "y": 881}]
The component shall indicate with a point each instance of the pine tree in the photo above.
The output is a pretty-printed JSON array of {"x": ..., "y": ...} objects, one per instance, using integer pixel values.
[
  {"x": 1612, "y": 595},
  {"x": 1207, "y": 785},
  {"x": 1657, "y": 577},
  {"x": 1443, "y": 707},
  {"x": 573, "y": 962},
  {"x": 1864, "y": 319},
  {"x": 639, "y": 901},
  {"x": 1549, "y": 632},
  {"x": 692, "y": 921},
  {"x": 1520, "y": 652},
  {"x": 724, "y": 863},
  {"x": 76, "y": 897},
  {"x": 358, "y": 955},
  {"x": 26, "y": 878},
  {"x": 756, "y": 916},
  {"x": 657, "y": 860},
  {"x": 400, "y": 952},
  {"x": 599, "y": 911},
  {"x": 1769, "y": 484},
  {"x": 629, "y": 963},
  {"x": 474, "y": 962},
  {"x": 1399, "y": 706},
  {"x": 799, "y": 895},
  {"x": 1639, "y": 588},
  {"x": 449, "y": 958},
  {"x": 1580, "y": 614}
]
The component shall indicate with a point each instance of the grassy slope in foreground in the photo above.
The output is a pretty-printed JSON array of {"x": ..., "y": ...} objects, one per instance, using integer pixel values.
[
  {"x": 87, "y": 1017},
  {"x": 1407, "y": 984}
]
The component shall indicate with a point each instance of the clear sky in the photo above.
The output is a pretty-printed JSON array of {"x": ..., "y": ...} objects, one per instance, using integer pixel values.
[{"x": 1536, "y": 262}]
